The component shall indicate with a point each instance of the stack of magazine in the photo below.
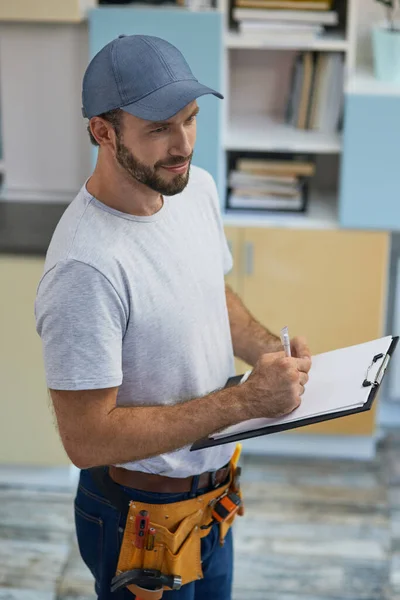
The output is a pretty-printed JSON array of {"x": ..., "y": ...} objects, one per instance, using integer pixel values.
[
  {"x": 299, "y": 20},
  {"x": 269, "y": 184}
]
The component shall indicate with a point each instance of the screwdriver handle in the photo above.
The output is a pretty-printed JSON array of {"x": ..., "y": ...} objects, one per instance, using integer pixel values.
[{"x": 141, "y": 527}]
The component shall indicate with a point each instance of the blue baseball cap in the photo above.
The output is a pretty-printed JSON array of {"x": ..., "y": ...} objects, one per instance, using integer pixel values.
[{"x": 144, "y": 75}]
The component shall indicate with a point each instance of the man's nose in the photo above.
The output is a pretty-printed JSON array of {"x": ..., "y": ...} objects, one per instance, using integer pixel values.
[{"x": 181, "y": 145}]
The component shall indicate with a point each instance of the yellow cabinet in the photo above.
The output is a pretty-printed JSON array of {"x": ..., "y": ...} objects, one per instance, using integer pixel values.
[
  {"x": 234, "y": 236},
  {"x": 28, "y": 433},
  {"x": 328, "y": 285},
  {"x": 69, "y": 11}
]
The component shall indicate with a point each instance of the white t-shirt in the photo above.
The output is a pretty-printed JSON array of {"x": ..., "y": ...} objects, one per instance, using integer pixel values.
[{"x": 139, "y": 303}]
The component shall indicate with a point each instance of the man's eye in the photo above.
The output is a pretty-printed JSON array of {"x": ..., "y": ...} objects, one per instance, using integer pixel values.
[{"x": 159, "y": 130}]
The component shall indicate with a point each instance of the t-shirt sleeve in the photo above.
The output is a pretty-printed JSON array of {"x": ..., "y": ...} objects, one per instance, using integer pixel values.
[
  {"x": 81, "y": 321},
  {"x": 226, "y": 253}
]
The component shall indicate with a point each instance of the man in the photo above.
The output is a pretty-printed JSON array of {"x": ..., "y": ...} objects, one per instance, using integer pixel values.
[{"x": 138, "y": 328}]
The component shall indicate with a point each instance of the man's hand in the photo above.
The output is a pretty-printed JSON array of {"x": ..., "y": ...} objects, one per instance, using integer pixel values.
[
  {"x": 299, "y": 348},
  {"x": 275, "y": 385}
]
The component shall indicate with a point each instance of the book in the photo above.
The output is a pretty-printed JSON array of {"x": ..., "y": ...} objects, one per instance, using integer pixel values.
[
  {"x": 327, "y": 97},
  {"x": 285, "y": 4},
  {"x": 240, "y": 178},
  {"x": 318, "y": 88},
  {"x": 315, "y": 99},
  {"x": 302, "y": 30},
  {"x": 276, "y": 167},
  {"x": 305, "y": 90},
  {"x": 333, "y": 108},
  {"x": 251, "y": 192},
  {"x": 292, "y": 109},
  {"x": 312, "y": 88},
  {"x": 291, "y": 16},
  {"x": 276, "y": 203}
]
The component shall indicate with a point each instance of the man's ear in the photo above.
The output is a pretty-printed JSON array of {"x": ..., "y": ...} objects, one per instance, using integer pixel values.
[{"x": 102, "y": 131}]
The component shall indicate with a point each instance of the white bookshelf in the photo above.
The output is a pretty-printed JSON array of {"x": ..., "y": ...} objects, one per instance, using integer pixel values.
[
  {"x": 363, "y": 81},
  {"x": 264, "y": 133},
  {"x": 321, "y": 214},
  {"x": 258, "y": 72}
]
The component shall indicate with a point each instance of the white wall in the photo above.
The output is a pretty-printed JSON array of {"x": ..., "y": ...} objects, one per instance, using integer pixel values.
[{"x": 45, "y": 144}]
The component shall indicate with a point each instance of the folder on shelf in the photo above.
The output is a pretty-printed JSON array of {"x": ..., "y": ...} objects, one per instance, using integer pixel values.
[{"x": 341, "y": 383}]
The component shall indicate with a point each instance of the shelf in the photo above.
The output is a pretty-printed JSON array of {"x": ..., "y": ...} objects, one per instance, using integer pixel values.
[
  {"x": 363, "y": 82},
  {"x": 321, "y": 214},
  {"x": 263, "y": 133},
  {"x": 330, "y": 42},
  {"x": 37, "y": 197}
]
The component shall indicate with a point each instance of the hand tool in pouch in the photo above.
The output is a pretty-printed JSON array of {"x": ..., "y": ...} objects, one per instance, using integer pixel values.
[{"x": 141, "y": 528}]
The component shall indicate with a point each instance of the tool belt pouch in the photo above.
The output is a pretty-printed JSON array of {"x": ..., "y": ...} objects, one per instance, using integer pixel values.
[{"x": 177, "y": 547}]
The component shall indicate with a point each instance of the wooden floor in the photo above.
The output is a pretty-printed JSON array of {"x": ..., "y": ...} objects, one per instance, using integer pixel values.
[{"x": 313, "y": 530}]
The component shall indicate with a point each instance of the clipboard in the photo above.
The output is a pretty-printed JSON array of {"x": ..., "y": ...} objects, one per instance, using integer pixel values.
[{"x": 340, "y": 377}]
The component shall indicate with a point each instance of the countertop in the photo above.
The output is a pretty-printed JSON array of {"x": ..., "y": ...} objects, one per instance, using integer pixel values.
[{"x": 27, "y": 227}]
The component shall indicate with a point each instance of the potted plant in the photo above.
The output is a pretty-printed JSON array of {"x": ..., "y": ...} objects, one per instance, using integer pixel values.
[{"x": 386, "y": 44}]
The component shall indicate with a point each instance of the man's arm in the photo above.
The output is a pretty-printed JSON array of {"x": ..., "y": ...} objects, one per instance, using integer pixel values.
[
  {"x": 95, "y": 431},
  {"x": 250, "y": 338}
]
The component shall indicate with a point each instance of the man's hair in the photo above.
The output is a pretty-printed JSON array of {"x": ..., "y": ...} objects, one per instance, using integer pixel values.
[{"x": 112, "y": 116}]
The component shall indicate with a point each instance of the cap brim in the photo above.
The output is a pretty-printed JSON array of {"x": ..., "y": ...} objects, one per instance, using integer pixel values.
[{"x": 165, "y": 102}]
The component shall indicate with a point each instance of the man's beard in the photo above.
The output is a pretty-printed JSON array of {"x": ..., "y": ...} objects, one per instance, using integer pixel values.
[{"x": 149, "y": 176}]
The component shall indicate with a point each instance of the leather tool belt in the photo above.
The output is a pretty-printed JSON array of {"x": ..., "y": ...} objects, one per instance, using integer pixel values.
[
  {"x": 175, "y": 552},
  {"x": 149, "y": 482}
]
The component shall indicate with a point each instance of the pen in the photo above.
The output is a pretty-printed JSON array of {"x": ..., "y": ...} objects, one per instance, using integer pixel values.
[{"x": 285, "y": 339}]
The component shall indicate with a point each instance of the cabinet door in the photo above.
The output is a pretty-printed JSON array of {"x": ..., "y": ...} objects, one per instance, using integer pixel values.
[
  {"x": 327, "y": 285},
  {"x": 235, "y": 237},
  {"x": 28, "y": 434},
  {"x": 45, "y": 11},
  {"x": 370, "y": 184}
]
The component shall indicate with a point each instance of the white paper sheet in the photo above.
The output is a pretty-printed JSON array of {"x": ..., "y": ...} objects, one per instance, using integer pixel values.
[{"x": 335, "y": 385}]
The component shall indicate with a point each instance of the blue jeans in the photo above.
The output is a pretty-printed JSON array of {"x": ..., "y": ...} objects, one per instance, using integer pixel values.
[{"x": 100, "y": 527}]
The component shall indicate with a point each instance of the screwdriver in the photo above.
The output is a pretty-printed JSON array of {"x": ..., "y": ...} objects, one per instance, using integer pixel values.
[
  {"x": 236, "y": 455},
  {"x": 141, "y": 528},
  {"x": 151, "y": 539}
]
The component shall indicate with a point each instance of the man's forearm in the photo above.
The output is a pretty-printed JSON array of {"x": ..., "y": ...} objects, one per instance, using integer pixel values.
[
  {"x": 129, "y": 434},
  {"x": 250, "y": 338}
]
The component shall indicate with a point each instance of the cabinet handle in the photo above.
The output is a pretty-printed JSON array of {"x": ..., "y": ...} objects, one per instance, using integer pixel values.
[{"x": 249, "y": 258}]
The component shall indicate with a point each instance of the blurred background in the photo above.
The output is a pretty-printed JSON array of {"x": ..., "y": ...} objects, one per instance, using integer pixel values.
[{"x": 305, "y": 152}]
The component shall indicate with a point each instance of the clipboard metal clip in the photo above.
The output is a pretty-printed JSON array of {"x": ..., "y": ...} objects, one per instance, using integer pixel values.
[{"x": 381, "y": 372}]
